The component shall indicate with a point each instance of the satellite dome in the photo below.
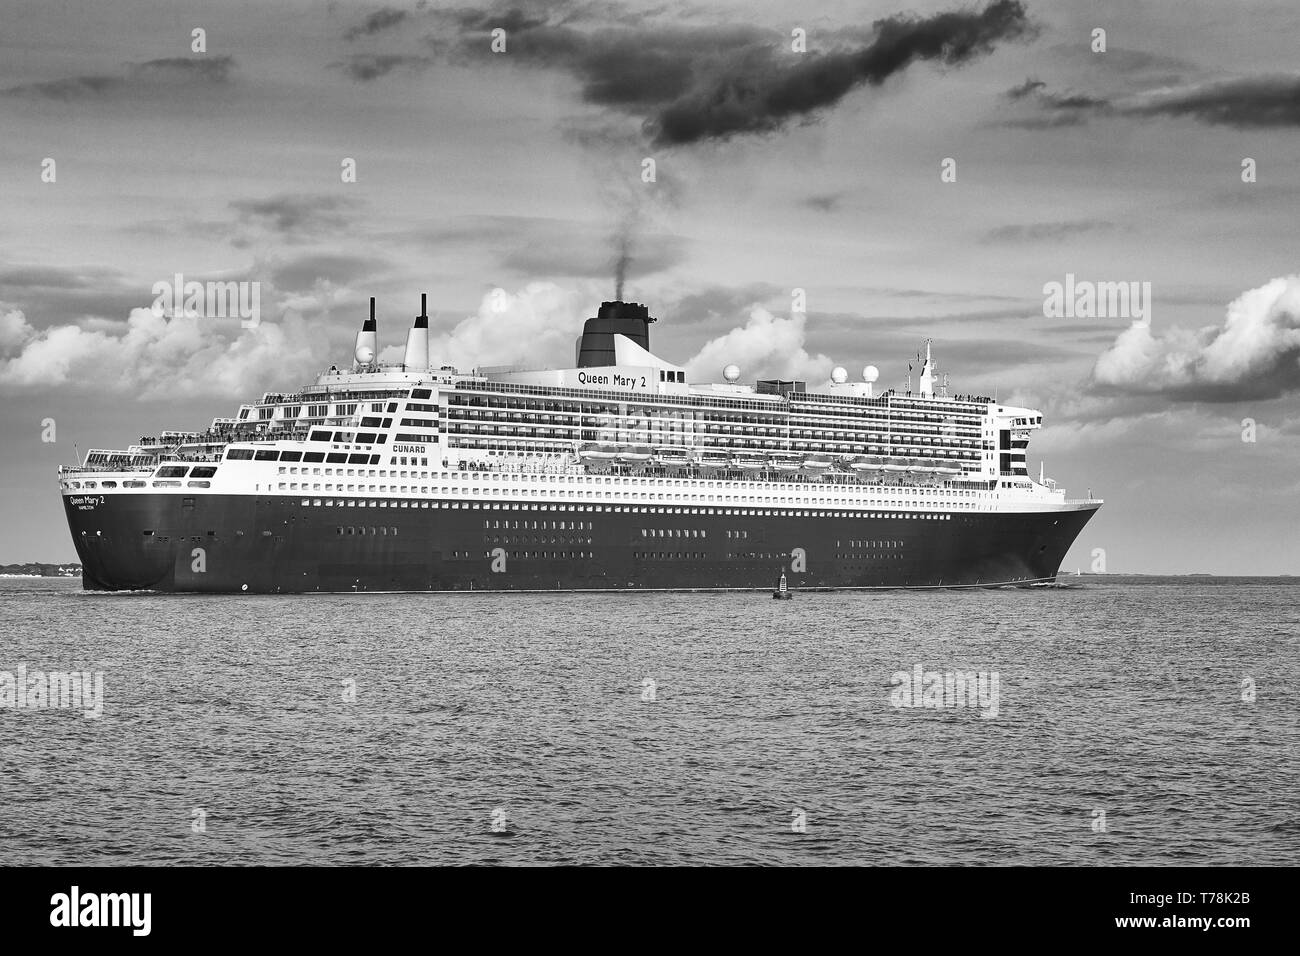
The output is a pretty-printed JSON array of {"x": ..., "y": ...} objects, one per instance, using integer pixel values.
[
  {"x": 870, "y": 373},
  {"x": 365, "y": 354},
  {"x": 731, "y": 373},
  {"x": 839, "y": 375}
]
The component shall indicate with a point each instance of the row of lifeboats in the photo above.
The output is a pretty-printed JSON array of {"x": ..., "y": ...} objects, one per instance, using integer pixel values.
[{"x": 633, "y": 456}]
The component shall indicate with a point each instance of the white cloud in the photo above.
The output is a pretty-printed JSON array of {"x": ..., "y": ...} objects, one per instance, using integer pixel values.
[
  {"x": 14, "y": 330},
  {"x": 153, "y": 356},
  {"x": 766, "y": 346},
  {"x": 1253, "y": 354},
  {"x": 535, "y": 326}
]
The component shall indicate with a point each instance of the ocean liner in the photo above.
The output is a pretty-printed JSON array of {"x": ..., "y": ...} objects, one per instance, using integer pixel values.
[{"x": 617, "y": 473}]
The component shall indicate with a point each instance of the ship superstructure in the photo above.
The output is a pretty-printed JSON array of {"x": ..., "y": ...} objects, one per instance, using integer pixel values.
[{"x": 614, "y": 473}]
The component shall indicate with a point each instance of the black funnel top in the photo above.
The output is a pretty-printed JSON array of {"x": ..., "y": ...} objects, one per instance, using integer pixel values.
[
  {"x": 614, "y": 318},
  {"x": 422, "y": 320},
  {"x": 369, "y": 324}
]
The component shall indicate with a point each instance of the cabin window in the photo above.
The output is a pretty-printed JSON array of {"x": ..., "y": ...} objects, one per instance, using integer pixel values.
[{"x": 239, "y": 454}]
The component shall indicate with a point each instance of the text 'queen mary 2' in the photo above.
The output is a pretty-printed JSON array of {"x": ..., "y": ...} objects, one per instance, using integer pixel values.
[{"x": 617, "y": 473}]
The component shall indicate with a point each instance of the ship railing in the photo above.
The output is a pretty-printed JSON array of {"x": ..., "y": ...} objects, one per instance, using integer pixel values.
[{"x": 121, "y": 467}]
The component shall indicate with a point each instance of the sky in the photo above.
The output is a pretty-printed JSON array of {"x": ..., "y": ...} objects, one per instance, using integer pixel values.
[{"x": 910, "y": 170}]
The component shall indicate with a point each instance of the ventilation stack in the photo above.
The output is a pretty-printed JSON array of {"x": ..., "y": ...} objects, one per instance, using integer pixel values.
[
  {"x": 417, "y": 340},
  {"x": 367, "y": 339}
]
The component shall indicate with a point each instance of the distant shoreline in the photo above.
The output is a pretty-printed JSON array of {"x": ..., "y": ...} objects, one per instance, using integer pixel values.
[{"x": 39, "y": 569}]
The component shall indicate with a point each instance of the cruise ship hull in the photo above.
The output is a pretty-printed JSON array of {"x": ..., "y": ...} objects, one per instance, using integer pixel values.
[{"x": 275, "y": 544}]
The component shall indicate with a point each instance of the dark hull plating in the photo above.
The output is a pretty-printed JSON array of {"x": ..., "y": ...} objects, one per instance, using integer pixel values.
[{"x": 278, "y": 545}]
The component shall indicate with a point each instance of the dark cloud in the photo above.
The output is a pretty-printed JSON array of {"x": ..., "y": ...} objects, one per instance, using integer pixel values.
[
  {"x": 365, "y": 67},
  {"x": 1059, "y": 109},
  {"x": 384, "y": 18},
  {"x": 690, "y": 84},
  {"x": 1024, "y": 89},
  {"x": 1140, "y": 65},
  {"x": 206, "y": 69},
  {"x": 1048, "y": 231},
  {"x": 540, "y": 248},
  {"x": 301, "y": 274},
  {"x": 721, "y": 302},
  {"x": 294, "y": 216},
  {"x": 823, "y": 202},
  {"x": 760, "y": 96},
  {"x": 52, "y": 294},
  {"x": 1243, "y": 102},
  {"x": 168, "y": 71},
  {"x": 512, "y": 20},
  {"x": 72, "y": 88},
  {"x": 1054, "y": 121},
  {"x": 1249, "y": 102}
]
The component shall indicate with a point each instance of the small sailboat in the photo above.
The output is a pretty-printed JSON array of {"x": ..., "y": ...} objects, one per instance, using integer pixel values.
[{"x": 782, "y": 592}]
